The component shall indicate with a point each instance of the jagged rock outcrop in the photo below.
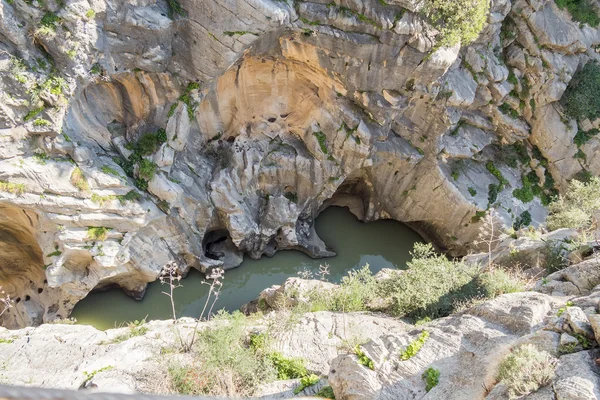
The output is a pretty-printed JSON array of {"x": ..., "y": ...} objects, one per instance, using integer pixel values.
[{"x": 272, "y": 111}]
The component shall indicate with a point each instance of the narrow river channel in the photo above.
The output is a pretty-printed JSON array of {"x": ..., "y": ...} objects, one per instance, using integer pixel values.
[{"x": 381, "y": 244}]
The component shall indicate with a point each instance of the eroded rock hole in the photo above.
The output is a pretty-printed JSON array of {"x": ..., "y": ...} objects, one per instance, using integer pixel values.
[{"x": 213, "y": 244}]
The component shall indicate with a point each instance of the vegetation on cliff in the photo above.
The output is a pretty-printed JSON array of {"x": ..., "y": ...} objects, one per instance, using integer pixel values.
[{"x": 458, "y": 21}]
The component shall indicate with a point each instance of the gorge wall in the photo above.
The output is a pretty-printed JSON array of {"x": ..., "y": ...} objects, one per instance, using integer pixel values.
[{"x": 136, "y": 133}]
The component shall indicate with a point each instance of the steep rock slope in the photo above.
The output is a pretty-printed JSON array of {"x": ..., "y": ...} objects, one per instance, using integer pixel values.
[{"x": 135, "y": 133}]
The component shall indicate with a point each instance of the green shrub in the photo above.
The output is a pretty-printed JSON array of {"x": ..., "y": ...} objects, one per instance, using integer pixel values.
[
  {"x": 147, "y": 169},
  {"x": 525, "y": 194},
  {"x": 287, "y": 368},
  {"x": 508, "y": 110},
  {"x": 428, "y": 286},
  {"x": 226, "y": 364},
  {"x": 50, "y": 20},
  {"x": 582, "y": 137},
  {"x": 581, "y": 98},
  {"x": 78, "y": 180},
  {"x": 41, "y": 122},
  {"x": 472, "y": 191},
  {"x": 326, "y": 392},
  {"x": 110, "y": 171},
  {"x": 575, "y": 208},
  {"x": 431, "y": 376},
  {"x": 433, "y": 285},
  {"x": 458, "y": 21},
  {"x": 150, "y": 143},
  {"x": 96, "y": 198},
  {"x": 522, "y": 220},
  {"x": 493, "y": 191},
  {"x": 322, "y": 139},
  {"x": 356, "y": 289},
  {"x": 306, "y": 381},
  {"x": 97, "y": 233},
  {"x": 175, "y": 9},
  {"x": 498, "y": 282},
  {"x": 141, "y": 184},
  {"x": 33, "y": 113},
  {"x": 581, "y": 10},
  {"x": 132, "y": 195},
  {"x": 526, "y": 370},
  {"x": 496, "y": 172},
  {"x": 413, "y": 347},
  {"x": 363, "y": 359}
]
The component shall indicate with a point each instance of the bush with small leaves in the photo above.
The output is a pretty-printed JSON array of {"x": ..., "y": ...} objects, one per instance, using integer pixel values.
[
  {"x": 526, "y": 370},
  {"x": 431, "y": 376},
  {"x": 78, "y": 180},
  {"x": 576, "y": 207},
  {"x": 363, "y": 359},
  {"x": 306, "y": 381},
  {"x": 413, "y": 347},
  {"x": 458, "y": 21}
]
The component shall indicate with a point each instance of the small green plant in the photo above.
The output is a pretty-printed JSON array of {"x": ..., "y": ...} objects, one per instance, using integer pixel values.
[
  {"x": 582, "y": 137},
  {"x": 136, "y": 328},
  {"x": 431, "y": 376},
  {"x": 580, "y": 98},
  {"x": 102, "y": 200},
  {"x": 96, "y": 69},
  {"x": 413, "y": 347},
  {"x": 175, "y": 9},
  {"x": 306, "y": 381},
  {"x": 90, "y": 375},
  {"x": 291, "y": 196},
  {"x": 472, "y": 191},
  {"x": 562, "y": 310},
  {"x": 147, "y": 169},
  {"x": 522, "y": 220},
  {"x": 40, "y": 158},
  {"x": 90, "y": 14},
  {"x": 505, "y": 108},
  {"x": 99, "y": 233},
  {"x": 78, "y": 180},
  {"x": 6, "y": 341},
  {"x": 458, "y": 21},
  {"x": 33, "y": 113},
  {"x": 287, "y": 368},
  {"x": 526, "y": 370},
  {"x": 132, "y": 195},
  {"x": 14, "y": 188},
  {"x": 326, "y": 392},
  {"x": 322, "y": 139},
  {"x": 496, "y": 172},
  {"x": 39, "y": 122},
  {"x": 187, "y": 99},
  {"x": 363, "y": 359},
  {"x": 576, "y": 207},
  {"x": 110, "y": 171},
  {"x": 172, "y": 110},
  {"x": 50, "y": 20},
  {"x": 582, "y": 11}
]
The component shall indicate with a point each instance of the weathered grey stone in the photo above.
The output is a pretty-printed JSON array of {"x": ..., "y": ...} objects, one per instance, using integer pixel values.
[
  {"x": 576, "y": 378},
  {"x": 578, "y": 322}
]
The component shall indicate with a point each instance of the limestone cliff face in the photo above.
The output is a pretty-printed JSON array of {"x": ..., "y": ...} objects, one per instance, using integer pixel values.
[{"x": 272, "y": 111}]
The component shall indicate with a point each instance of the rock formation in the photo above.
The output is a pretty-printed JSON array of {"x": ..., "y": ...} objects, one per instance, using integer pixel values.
[{"x": 135, "y": 133}]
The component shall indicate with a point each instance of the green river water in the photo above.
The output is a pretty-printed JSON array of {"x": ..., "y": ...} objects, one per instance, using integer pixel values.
[{"x": 381, "y": 244}]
